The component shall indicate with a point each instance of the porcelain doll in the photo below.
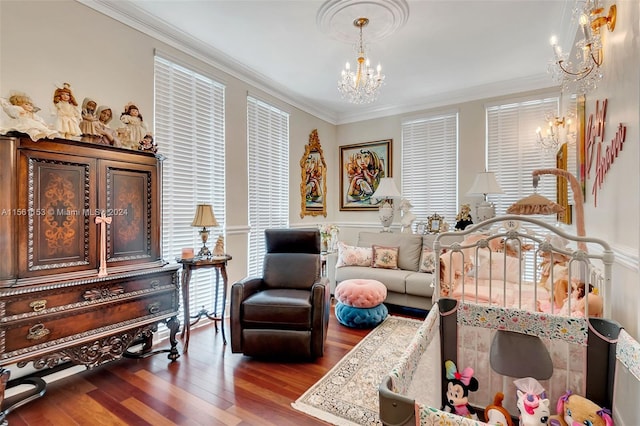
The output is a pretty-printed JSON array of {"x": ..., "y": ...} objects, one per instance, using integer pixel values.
[
  {"x": 23, "y": 118},
  {"x": 135, "y": 126},
  {"x": 89, "y": 123},
  {"x": 109, "y": 135},
  {"x": 148, "y": 144},
  {"x": 68, "y": 116}
]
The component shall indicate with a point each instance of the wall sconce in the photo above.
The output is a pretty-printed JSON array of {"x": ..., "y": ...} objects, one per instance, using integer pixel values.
[
  {"x": 204, "y": 218},
  {"x": 558, "y": 131},
  {"x": 585, "y": 70}
]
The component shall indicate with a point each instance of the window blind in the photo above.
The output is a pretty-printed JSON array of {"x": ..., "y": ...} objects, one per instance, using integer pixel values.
[
  {"x": 268, "y": 176},
  {"x": 513, "y": 151},
  {"x": 189, "y": 129},
  {"x": 430, "y": 165}
]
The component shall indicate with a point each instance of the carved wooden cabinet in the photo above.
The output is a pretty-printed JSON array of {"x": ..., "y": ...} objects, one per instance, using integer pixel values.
[{"x": 54, "y": 307}]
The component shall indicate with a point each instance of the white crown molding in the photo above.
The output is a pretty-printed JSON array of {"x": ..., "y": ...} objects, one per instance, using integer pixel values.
[
  {"x": 506, "y": 87},
  {"x": 127, "y": 13}
]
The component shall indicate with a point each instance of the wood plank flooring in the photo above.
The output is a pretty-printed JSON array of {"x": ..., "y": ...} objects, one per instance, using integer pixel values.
[{"x": 207, "y": 386}]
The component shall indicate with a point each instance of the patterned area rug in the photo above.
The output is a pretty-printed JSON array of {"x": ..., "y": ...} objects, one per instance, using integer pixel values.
[{"x": 348, "y": 394}]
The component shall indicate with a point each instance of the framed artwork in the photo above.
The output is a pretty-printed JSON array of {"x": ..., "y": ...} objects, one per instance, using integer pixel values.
[
  {"x": 434, "y": 224},
  {"x": 362, "y": 167},
  {"x": 313, "y": 186}
]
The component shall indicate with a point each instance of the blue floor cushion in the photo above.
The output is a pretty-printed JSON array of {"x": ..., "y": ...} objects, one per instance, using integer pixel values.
[{"x": 360, "y": 317}]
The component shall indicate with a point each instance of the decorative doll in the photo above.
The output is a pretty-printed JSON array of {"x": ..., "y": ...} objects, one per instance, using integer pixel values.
[
  {"x": 148, "y": 144},
  {"x": 68, "y": 121},
  {"x": 24, "y": 119},
  {"x": 135, "y": 126},
  {"x": 109, "y": 135},
  {"x": 89, "y": 123}
]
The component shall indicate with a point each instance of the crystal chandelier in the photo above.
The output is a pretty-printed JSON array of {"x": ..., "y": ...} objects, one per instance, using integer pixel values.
[
  {"x": 361, "y": 86},
  {"x": 584, "y": 69}
]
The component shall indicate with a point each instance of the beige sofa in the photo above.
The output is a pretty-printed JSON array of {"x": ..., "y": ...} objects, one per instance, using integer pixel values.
[{"x": 406, "y": 286}]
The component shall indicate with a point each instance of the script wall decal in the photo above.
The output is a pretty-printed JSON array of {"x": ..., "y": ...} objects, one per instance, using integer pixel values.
[{"x": 604, "y": 154}]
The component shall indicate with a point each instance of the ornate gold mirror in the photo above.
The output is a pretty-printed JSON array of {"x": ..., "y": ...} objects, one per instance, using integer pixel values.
[{"x": 313, "y": 188}]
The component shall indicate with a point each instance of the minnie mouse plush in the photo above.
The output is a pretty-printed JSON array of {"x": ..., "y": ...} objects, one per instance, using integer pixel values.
[{"x": 459, "y": 384}]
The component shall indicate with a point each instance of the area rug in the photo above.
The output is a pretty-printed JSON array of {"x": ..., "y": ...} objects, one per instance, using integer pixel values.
[{"x": 348, "y": 394}]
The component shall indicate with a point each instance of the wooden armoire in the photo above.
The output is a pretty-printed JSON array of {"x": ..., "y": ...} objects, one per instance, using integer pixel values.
[{"x": 54, "y": 306}]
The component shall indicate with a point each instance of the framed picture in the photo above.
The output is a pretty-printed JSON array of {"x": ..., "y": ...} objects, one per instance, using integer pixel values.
[
  {"x": 421, "y": 228},
  {"x": 313, "y": 185},
  {"x": 362, "y": 167},
  {"x": 434, "y": 224}
]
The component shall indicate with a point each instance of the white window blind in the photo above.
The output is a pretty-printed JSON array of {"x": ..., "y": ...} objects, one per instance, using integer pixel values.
[
  {"x": 513, "y": 152},
  {"x": 268, "y": 152},
  {"x": 430, "y": 165},
  {"x": 189, "y": 129}
]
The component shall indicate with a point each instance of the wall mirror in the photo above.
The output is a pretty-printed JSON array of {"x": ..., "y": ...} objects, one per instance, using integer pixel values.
[{"x": 313, "y": 187}]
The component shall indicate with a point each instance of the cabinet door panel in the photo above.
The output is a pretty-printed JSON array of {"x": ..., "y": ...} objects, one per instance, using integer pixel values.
[
  {"x": 131, "y": 202},
  {"x": 56, "y": 213}
]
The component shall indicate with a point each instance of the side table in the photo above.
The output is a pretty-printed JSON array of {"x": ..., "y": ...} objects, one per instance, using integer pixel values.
[{"x": 188, "y": 265}]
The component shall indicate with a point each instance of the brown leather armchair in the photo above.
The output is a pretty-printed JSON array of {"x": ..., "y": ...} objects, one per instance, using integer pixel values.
[{"x": 284, "y": 313}]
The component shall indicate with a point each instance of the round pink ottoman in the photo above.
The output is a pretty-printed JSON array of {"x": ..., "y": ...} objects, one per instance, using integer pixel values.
[{"x": 361, "y": 293}]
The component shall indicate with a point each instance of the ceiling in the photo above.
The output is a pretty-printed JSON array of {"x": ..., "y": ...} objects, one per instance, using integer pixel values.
[{"x": 433, "y": 52}]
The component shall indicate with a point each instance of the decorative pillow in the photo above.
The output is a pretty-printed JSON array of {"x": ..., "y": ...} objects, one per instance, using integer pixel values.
[
  {"x": 353, "y": 256},
  {"x": 384, "y": 257},
  {"x": 427, "y": 260}
]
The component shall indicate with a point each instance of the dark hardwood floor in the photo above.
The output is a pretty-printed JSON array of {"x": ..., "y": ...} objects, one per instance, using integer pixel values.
[{"x": 207, "y": 386}]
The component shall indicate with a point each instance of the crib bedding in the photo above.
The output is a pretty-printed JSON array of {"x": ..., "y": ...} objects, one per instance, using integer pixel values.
[{"x": 504, "y": 263}]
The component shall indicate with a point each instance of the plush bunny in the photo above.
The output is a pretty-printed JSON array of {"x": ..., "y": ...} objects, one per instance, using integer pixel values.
[
  {"x": 575, "y": 409},
  {"x": 459, "y": 384}
]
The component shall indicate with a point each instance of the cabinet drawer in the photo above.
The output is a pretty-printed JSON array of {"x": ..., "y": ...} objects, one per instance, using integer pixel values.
[
  {"x": 46, "y": 301},
  {"x": 60, "y": 328}
]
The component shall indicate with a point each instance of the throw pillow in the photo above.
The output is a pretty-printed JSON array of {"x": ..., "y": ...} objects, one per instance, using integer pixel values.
[
  {"x": 384, "y": 257},
  {"x": 353, "y": 256},
  {"x": 427, "y": 260}
]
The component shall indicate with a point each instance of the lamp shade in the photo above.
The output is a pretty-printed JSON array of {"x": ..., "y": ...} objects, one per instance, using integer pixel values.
[
  {"x": 485, "y": 183},
  {"x": 204, "y": 216},
  {"x": 386, "y": 189}
]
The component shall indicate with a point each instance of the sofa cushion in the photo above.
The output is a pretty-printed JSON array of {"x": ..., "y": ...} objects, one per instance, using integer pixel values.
[
  {"x": 384, "y": 257},
  {"x": 353, "y": 256},
  {"x": 409, "y": 246},
  {"x": 420, "y": 284}
]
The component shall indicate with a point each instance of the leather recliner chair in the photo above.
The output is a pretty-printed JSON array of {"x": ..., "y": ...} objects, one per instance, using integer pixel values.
[{"x": 284, "y": 313}]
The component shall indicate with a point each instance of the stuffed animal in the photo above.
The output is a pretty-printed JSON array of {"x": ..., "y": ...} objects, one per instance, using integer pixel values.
[
  {"x": 577, "y": 410},
  {"x": 496, "y": 414},
  {"x": 459, "y": 384},
  {"x": 532, "y": 403}
]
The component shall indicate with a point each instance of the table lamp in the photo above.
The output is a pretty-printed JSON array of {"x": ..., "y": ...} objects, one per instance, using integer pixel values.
[
  {"x": 204, "y": 218},
  {"x": 485, "y": 184},
  {"x": 386, "y": 192}
]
